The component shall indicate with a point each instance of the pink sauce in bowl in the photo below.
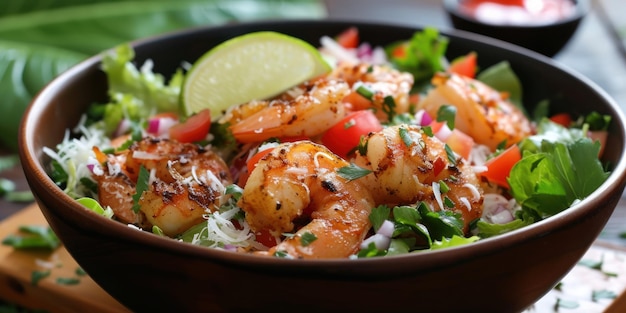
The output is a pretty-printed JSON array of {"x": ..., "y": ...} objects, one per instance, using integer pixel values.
[{"x": 518, "y": 12}]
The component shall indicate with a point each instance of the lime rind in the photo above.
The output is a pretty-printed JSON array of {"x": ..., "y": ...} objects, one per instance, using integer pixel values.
[{"x": 254, "y": 66}]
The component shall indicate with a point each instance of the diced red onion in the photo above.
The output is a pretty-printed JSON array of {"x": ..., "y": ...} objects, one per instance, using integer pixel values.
[
  {"x": 386, "y": 229},
  {"x": 423, "y": 118},
  {"x": 336, "y": 50},
  {"x": 153, "y": 125},
  {"x": 165, "y": 124},
  {"x": 444, "y": 133},
  {"x": 364, "y": 51},
  {"x": 229, "y": 247},
  {"x": 378, "y": 56},
  {"x": 90, "y": 167},
  {"x": 122, "y": 128},
  {"x": 380, "y": 241}
]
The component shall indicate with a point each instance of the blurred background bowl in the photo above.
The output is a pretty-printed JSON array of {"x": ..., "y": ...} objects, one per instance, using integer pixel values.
[
  {"x": 145, "y": 272},
  {"x": 547, "y": 37}
]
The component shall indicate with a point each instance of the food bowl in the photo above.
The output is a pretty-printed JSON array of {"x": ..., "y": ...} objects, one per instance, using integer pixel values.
[
  {"x": 145, "y": 272},
  {"x": 544, "y": 36}
]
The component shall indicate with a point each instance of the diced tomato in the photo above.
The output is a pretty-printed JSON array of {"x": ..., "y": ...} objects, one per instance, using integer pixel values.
[
  {"x": 400, "y": 50},
  {"x": 253, "y": 160},
  {"x": 349, "y": 38},
  {"x": 563, "y": 119},
  {"x": 460, "y": 143},
  {"x": 601, "y": 136},
  {"x": 465, "y": 65},
  {"x": 499, "y": 167},
  {"x": 195, "y": 128},
  {"x": 265, "y": 238},
  {"x": 438, "y": 166},
  {"x": 345, "y": 136},
  {"x": 119, "y": 140},
  {"x": 436, "y": 126},
  {"x": 357, "y": 102}
]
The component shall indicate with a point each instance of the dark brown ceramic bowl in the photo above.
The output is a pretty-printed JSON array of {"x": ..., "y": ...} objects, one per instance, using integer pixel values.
[
  {"x": 149, "y": 273},
  {"x": 547, "y": 39}
]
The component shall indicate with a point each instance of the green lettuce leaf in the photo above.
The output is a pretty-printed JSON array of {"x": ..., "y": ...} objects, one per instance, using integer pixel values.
[
  {"x": 501, "y": 77},
  {"x": 41, "y": 39},
  {"x": 558, "y": 167}
]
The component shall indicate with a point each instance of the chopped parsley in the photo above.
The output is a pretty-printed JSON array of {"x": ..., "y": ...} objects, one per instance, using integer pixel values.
[
  {"x": 67, "y": 281},
  {"x": 447, "y": 113},
  {"x": 450, "y": 154},
  {"x": 33, "y": 237},
  {"x": 307, "y": 238},
  {"x": 352, "y": 172},
  {"x": 389, "y": 107},
  {"x": 366, "y": 92},
  {"x": 142, "y": 185},
  {"x": 281, "y": 254},
  {"x": 404, "y": 135},
  {"x": 602, "y": 294},
  {"x": 37, "y": 276}
]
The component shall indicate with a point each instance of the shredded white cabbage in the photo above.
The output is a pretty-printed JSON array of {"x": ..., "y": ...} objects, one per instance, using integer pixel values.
[{"x": 75, "y": 156}]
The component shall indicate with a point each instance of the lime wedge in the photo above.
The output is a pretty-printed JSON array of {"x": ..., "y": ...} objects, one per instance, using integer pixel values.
[{"x": 254, "y": 66}]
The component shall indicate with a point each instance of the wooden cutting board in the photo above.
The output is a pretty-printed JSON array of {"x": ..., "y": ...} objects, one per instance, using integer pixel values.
[{"x": 17, "y": 266}]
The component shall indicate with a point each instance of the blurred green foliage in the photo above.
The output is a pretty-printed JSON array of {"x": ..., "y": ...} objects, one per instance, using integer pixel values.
[{"x": 40, "y": 39}]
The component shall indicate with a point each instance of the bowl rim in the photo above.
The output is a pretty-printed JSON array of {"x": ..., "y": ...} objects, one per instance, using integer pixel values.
[
  {"x": 581, "y": 9},
  {"x": 36, "y": 174}
]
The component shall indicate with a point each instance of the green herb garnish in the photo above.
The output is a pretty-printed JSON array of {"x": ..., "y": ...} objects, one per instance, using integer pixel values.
[
  {"x": 142, "y": 185},
  {"x": 307, "y": 238},
  {"x": 352, "y": 172}
]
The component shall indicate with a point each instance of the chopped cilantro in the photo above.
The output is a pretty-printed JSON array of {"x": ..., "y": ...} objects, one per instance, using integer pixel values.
[
  {"x": 37, "y": 276},
  {"x": 447, "y": 113},
  {"x": 602, "y": 294},
  {"x": 362, "y": 146},
  {"x": 281, "y": 254},
  {"x": 307, "y": 238},
  {"x": 443, "y": 187},
  {"x": 565, "y": 304},
  {"x": 378, "y": 216},
  {"x": 389, "y": 107},
  {"x": 596, "y": 265},
  {"x": 370, "y": 251},
  {"x": 349, "y": 123},
  {"x": 80, "y": 271},
  {"x": 404, "y": 135},
  {"x": 20, "y": 196},
  {"x": 366, "y": 92},
  {"x": 428, "y": 131},
  {"x": 34, "y": 237},
  {"x": 142, "y": 185},
  {"x": 450, "y": 154},
  {"x": 67, "y": 281},
  {"x": 352, "y": 172},
  {"x": 8, "y": 162}
]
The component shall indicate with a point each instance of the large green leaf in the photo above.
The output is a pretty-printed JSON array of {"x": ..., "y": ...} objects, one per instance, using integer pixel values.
[{"x": 40, "y": 39}]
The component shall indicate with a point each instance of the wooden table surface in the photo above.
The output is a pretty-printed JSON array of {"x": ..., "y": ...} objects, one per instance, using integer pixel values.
[{"x": 596, "y": 51}]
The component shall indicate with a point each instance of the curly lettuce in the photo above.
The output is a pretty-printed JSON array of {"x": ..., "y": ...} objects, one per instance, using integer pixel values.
[{"x": 136, "y": 93}]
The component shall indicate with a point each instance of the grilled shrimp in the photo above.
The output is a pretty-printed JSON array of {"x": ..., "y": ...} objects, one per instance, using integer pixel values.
[
  {"x": 186, "y": 181},
  {"x": 383, "y": 81},
  {"x": 115, "y": 190},
  {"x": 409, "y": 166},
  {"x": 296, "y": 188},
  {"x": 482, "y": 112},
  {"x": 307, "y": 110}
]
